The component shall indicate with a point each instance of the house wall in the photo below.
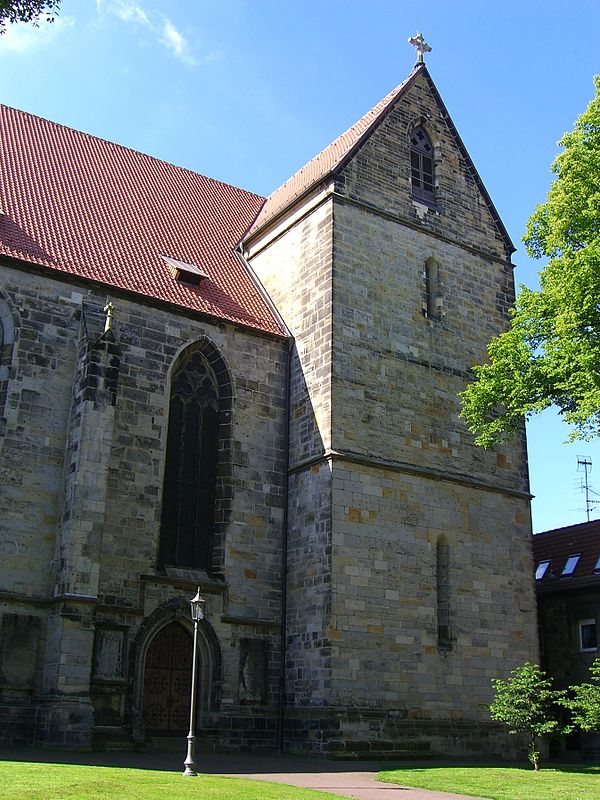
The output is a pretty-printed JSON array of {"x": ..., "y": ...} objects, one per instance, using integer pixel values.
[{"x": 559, "y": 616}]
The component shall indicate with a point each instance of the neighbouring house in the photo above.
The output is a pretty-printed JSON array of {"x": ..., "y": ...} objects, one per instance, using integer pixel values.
[
  {"x": 201, "y": 387},
  {"x": 567, "y": 576}
]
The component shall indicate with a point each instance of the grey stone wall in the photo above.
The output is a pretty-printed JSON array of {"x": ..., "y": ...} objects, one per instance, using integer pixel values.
[
  {"x": 82, "y": 460},
  {"x": 296, "y": 269}
]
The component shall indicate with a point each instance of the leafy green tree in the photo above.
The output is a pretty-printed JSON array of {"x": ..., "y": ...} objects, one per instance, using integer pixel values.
[
  {"x": 584, "y": 701},
  {"x": 26, "y": 11},
  {"x": 527, "y": 703},
  {"x": 551, "y": 353}
]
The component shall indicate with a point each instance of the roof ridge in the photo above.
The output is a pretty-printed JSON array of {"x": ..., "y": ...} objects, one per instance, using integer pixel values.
[
  {"x": 332, "y": 160},
  {"x": 587, "y": 524},
  {"x": 87, "y": 135}
]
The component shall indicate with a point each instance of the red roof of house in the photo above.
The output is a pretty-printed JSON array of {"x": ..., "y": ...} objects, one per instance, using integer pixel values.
[
  {"x": 557, "y": 546},
  {"x": 332, "y": 158},
  {"x": 91, "y": 208}
]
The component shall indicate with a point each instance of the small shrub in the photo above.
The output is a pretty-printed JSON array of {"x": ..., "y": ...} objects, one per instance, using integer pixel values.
[{"x": 527, "y": 703}]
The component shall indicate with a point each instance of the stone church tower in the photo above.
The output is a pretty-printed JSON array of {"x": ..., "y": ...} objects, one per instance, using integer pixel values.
[
  {"x": 200, "y": 387},
  {"x": 391, "y": 267}
]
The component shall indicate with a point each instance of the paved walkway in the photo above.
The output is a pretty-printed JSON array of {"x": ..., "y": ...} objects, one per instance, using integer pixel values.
[{"x": 357, "y": 779}]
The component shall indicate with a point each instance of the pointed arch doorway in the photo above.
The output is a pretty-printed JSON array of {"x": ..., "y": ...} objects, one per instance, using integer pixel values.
[{"x": 167, "y": 679}]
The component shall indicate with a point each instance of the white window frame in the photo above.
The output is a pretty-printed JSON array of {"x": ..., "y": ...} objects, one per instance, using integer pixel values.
[
  {"x": 580, "y": 625},
  {"x": 545, "y": 563},
  {"x": 572, "y": 561}
]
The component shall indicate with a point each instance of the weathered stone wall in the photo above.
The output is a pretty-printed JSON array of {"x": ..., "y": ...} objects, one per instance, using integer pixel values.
[
  {"x": 405, "y": 473},
  {"x": 82, "y": 459},
  {"x": 386, "y": 527},
  {"x": 295, "y": 266},
  {"x": 396, "y": 373}
]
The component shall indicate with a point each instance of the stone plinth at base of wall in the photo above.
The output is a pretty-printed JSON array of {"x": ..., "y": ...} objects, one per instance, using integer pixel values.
[
  {"x": 18, "y": 721},
  {"x": 65, "y": 722},
  {"x": 355, "y": 733},
  {"x": 253, "y": 731}
]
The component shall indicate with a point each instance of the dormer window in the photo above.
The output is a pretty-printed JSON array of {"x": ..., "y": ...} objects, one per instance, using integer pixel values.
[
  {"x": 183, "y": 272},
  {"x": 421, "y": 163}
]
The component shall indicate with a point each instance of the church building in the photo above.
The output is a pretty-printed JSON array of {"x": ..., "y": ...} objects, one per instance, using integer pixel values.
[{"x": 204, "y": 388}]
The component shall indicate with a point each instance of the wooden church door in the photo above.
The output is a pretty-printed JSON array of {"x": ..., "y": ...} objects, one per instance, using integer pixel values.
[{"x": 167, "y": 679}]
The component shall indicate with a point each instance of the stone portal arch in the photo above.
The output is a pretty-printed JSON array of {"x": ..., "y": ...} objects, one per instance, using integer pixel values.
[{"x": 162, "y": 656}]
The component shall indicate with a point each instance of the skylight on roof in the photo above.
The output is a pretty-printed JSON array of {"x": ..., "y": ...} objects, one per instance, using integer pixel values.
[
  {"x": 541, "y": 570},
  {"x": 572, "y": 562},
  {"x": 597, "y": 567},
  {"x": 184, "y": 272}
]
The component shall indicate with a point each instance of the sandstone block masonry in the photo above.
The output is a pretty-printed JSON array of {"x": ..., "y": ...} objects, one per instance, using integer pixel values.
[
  {"x": 82, "y": 453},
  {"x": 409, "y": 566},
  {"x": 368, "y": 568}
]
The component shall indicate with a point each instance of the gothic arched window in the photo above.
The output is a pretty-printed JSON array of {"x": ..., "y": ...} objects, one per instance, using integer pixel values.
[
  {"x": 186, "y": 536},
  {"x": 421, "y": 164}
]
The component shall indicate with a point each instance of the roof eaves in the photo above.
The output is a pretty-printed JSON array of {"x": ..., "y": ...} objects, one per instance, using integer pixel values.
[
  {"x": 394, "y": 96},
  {"x": 341, "y": 160},
  {"x": 263, "y": 327}
]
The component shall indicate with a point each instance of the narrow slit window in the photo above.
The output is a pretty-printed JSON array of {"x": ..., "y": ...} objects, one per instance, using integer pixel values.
[
  {"x": 443, "y": 594},
  {"x": 571, "y": 564},
  {"x": 421, "y": 166},
  {"x": 434, "y": 303}
]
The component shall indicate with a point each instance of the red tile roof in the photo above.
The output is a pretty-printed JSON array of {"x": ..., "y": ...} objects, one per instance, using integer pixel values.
[
  {"x": 84, "y": 206},
  {"x": 329, "y": 160},
  {"x": 556, "y": 546}
]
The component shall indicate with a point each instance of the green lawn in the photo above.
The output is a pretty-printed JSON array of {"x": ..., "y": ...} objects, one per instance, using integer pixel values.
[
  {"x": 27, "y": 781},
  {"x": 557, "y": 782}
]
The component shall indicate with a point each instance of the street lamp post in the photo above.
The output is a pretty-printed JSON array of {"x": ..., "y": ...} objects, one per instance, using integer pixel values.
[{"x": 197, "y": 613}]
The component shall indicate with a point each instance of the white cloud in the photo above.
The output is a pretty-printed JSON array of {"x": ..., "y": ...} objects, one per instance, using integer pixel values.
[
  {"x": 161, "y": 27},
  {"x": 132, "y": 12},
  {"x": 176, "y": 43},
  {"x": 22, "y": 38}
]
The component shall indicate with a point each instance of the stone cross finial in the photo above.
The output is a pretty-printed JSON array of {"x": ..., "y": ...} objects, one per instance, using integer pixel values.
[
  {"x": 420, "y": 46},
  {"x": 110, "y": 309}
]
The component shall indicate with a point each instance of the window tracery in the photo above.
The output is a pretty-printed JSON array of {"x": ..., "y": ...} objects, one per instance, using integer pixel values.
[
  {"x": 190, "y": 466},
  {"x": 422, "y": 169}
]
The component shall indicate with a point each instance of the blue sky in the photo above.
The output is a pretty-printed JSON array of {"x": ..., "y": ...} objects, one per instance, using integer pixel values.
[{"x": 247, "y": 91}]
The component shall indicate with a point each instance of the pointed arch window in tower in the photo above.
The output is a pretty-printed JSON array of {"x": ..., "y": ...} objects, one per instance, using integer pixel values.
[
  {"x": 421, "y": 163},
  {"x": 190, "y": 467}
]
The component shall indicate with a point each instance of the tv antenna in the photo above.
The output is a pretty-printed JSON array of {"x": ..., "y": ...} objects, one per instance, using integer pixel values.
[{"x": 584, "y": 464}]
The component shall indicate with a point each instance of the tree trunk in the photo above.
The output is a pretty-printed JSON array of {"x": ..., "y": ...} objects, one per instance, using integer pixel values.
[{"x": 534, "y": 756}]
